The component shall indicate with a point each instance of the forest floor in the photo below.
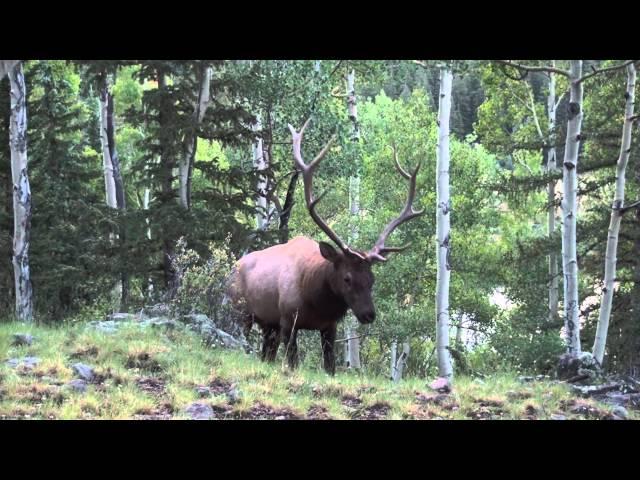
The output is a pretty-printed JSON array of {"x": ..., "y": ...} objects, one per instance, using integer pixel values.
[{"x": 152, "y": 373}]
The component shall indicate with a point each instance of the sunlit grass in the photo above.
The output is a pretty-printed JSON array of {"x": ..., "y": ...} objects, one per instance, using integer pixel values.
[{"x": 146, "y": 373}]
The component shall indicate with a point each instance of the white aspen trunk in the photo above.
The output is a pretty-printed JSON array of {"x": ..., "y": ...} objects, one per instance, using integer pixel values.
[
  {"x": 443, "y": 223},
  {"x": 570, "y": 211},
  {"x": 145, "y": 206},
  {"x": 616, "y": 218},
  {"x": 185, "y": 167},
  {"x": 353, "y": 349},
  {"x": 21, "y": 195},
  {"x": 6, "y": 66},
  {"x": 109, "y": 181},
  {"x": 394, "y": 353},
  {"x": 261, "y": 162},
  {"x": 401, "y": 363},
  {"x": 353, "y": 344},
  {"x": 551, "y": 188},
  {"x": 352, "y": 106},
  {"x": 459, "y": 334},
  {"x": 114, "y": 186}
]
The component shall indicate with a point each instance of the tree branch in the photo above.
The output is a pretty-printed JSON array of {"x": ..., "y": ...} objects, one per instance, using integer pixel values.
[
  {"x": 629, "y": 207},
  {"x": 532, "y": 68},
  {"x": 596, "y": 71}
]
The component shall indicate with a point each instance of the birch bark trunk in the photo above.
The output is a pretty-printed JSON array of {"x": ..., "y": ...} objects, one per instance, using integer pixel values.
[
  {"x": 616, "y": 218},
  {"x": 6, "y": 66},
  {"x": 353, "y": 344},
  {"x": 570, "y": 210},
  {"x": 185, "y": 168},
  {"x": 551, "y": 189},
  {"x": 443, "y": 224},
  {"x": 21, "y": 195}
]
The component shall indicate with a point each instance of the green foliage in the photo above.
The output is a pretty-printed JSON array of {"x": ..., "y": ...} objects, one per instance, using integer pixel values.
[
  {"x": 202, "y": 283},
  {"x": 499, "y": 201}
]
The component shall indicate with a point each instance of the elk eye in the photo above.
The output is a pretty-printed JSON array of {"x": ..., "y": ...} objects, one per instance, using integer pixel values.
[{"x": 347, "y": 279}]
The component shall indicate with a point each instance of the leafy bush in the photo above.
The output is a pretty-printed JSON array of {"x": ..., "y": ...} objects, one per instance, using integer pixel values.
[{"x": 201, "y": 284}]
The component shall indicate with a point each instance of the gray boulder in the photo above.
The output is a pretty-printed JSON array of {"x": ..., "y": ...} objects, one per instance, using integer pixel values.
[
  {"x": 26, "y": 362},
  {"x": 20, "y": 339},
  {"x": 200, "y": 411},
  {"x": 85, "y": 372},
  {"x": 77, "y": 385}
]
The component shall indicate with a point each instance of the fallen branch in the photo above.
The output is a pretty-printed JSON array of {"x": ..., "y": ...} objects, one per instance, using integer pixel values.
[
  {"x": 577, "y": 378},
  {"x": 595, "y": 389}
]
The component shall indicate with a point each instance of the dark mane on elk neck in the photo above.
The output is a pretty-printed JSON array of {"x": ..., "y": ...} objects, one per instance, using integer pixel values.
[{"x": 306, "y": 285}]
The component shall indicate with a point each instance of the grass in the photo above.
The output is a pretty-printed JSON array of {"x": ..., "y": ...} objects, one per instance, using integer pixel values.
[{"x": 153, "y": 374}]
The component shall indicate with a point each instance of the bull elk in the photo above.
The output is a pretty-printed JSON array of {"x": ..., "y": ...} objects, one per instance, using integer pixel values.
[{"x": 308, "y": 285}]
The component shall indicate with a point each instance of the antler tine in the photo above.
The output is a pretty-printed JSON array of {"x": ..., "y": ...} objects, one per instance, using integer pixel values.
[
  {"x": 398, "y": 167},
  {"x": 407, "y": 213},
  {"x": 307, "y": 177}
]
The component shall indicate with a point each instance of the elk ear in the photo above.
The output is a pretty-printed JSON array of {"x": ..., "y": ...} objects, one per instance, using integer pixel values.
[{"x": 329, "y": 253}]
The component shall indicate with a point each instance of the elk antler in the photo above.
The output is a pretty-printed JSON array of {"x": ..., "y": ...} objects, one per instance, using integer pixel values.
[
  {"x": 379, "y": 250},
  {"x": 307, "y": 177}
]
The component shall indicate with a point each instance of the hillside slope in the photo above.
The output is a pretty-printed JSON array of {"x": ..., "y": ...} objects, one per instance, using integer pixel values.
[{"x": 156, "y": 373}]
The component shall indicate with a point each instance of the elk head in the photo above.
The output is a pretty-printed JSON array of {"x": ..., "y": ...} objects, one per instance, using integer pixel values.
[{"x": 352, "y": 278}]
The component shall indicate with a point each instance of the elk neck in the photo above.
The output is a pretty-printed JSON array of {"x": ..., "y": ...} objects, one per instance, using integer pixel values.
[{"x": 320, "y": 294}]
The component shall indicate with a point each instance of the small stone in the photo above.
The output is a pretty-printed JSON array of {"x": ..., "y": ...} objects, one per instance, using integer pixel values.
[
  {"x": 121, "y": 317},
  {"x": 85, "y": 372},
  {"x": 20, "y": 339},
  {"x": 526, "y": 379},
  {"x": 200, "y": 411},
  {"x": 203, "y": 392},
  {"x": 233, "y": 396},
  {"x": 77, "y": 385},
  {"x": 621, "y": 412},
  {"x": 558, "y": 417},
  {"x": 105, "y": 327},
  {"x": 441, "y": 385},
  {"x": 26, "y": 362}
]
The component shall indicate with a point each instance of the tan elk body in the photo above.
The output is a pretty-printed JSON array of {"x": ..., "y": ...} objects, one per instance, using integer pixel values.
[{"x": 308, "y": 285}]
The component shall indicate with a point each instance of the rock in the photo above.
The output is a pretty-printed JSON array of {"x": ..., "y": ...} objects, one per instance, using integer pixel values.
[
  {"x": 159, "y": 322},
  {"x": 526, "y": 379},
  {"x": 26, "y": 362},
  {"x": 587, "y": 391},
  {"x": 233, "y": 396},
  {"x": 85, "y": 372},
  {"x": 583, "y": 366},
  {"x": 77, "y": 385},
  {"x": 20, "y": 339},
  {"x": 555, "y": 416},
  {"x": 213, "y": 336},
  {"x": 108, "y": 326},
  {"x": 199, "y": 411},
  {"x": 621, "y": 412},
  {"x": 203, "y": 392},
  {"x": 441, "y": 385},
  {"x": 195, "y": 318},
  {"x": 158, "y": 310},
  {"x": 614, "y": 398},
  {"x": 121, "y": 317}
]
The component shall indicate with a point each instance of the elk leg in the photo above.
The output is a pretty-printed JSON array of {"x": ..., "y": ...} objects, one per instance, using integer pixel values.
[
  {"x": 247, "y": 324},
  {"x": 290, "y": 340},
  {"x": 327, "y": 340},
  {"x": 270, "y": 337}
]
